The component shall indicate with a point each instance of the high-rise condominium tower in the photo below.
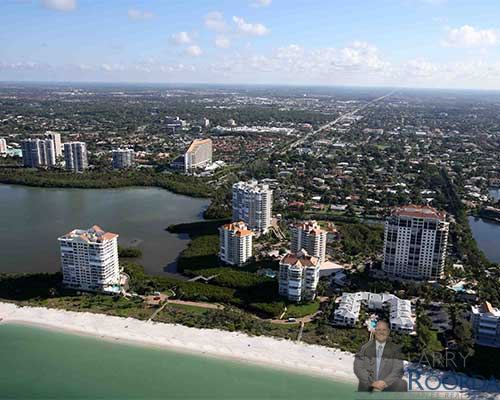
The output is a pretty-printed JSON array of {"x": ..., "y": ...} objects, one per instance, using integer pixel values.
[
  {"x": 235, "y": 243},
  {"x": 198, "y": 155},
  {"x": 415, "y": 241},
  {"x": 252, "y": 204},
  {"x": 56, "y": 138},
  {"x": 38, "y": 153},
  {"x": 89, "y": 259},
  {"x": 123, "y": 158},
  {"x": 299, "y": 276},
  {"x": 310, "y": 237},
  {"x": 75, "y": 156}
]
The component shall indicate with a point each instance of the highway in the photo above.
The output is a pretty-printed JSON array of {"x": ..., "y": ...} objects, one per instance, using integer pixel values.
[{"x": 331, "y": 124}]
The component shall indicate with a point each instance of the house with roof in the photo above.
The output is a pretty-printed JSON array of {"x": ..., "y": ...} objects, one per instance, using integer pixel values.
[{"x": 401, "y": 317}]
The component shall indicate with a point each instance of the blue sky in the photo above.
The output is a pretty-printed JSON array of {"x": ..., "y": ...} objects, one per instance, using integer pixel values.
[{"x": 415, "y": 43}]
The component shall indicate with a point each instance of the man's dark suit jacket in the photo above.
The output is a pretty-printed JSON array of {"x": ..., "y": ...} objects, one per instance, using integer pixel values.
[{"x": 391, "y": 367}]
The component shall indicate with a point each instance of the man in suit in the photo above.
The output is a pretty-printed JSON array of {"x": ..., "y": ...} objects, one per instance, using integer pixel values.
[{"x": 379, "y": 365}]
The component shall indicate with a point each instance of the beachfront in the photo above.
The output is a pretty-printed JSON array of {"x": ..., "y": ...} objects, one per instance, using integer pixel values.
[
  {"x": 276, "y": 353},
  {"x": 266, "y": 351}
]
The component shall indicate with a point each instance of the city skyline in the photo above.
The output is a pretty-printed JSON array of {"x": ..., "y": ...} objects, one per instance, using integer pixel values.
[{"x": 399, "y": 43}]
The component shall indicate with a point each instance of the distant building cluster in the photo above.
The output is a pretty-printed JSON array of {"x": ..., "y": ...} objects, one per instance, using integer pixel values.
[
  {"x": 3, "y": 146},
  {"x": 89, "y": 260},
  {"x": 401, "y": 318},
  {"x": 173, "y": 124},
  {"x": 415, "y": 241}
]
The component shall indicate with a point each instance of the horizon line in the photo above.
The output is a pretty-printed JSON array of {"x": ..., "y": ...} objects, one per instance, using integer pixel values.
[{"x": 295, "y": 85}]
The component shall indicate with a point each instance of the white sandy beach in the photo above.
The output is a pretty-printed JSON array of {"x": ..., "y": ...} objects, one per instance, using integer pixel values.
[
  {"x": 271, "y": 352},
  {"x": 298, "y": 357}
]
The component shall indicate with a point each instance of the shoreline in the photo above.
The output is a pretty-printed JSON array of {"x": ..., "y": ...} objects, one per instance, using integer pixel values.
[{"x": 260, "y": 351}]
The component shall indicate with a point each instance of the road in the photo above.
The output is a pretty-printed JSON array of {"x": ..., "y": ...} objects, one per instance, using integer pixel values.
[{"x": 331, "y": 124}]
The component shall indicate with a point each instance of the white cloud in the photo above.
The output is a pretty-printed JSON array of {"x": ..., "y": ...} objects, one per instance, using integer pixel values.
[
  {"x": 468, "y": 36},
  {"x": 59, "y": 5},
  {"x": 112, "y": 67},
  {"x": 222, "y": 42},
  {"x": 194, "y": 51},
  {"x": 250, "y": 29},
  {"x": 261, "y": 3},
  {"x": 138, "y": 15},
  {"x": 360, "y": 54},
  {"x": 181, "y": 38},
  {"x": 215, "y": 21},
  {"x": 419, "y": 68}
]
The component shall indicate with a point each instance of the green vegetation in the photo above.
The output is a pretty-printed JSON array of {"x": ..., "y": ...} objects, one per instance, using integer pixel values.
[
  {"x": 201, "y": 253},
  {"x": 180, "y": 184},
  {"x": 301, "y": 310},
  {"x": 361, "y": 240},
  {"x": 129, "y": 252}
]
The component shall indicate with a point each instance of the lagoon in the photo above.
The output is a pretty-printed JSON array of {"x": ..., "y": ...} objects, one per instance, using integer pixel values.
[
  {"x": 487, "y": 236},
  {"x": 31, "y": 220}
]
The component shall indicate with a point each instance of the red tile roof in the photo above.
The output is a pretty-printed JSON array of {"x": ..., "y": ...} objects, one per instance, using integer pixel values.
[{"x": 419, "y": 212}]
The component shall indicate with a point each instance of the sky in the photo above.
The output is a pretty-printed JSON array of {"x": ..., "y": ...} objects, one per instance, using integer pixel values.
[{"x": 402, "y": 43}]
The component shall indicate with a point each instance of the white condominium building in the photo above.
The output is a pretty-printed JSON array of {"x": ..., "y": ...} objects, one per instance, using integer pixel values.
[
  {"x": 38, "y": 153},
  {"x": 75, "y": 156},
  {"x": 485, "y": 320},
  {"x": 89, "y": 260},
  {"x": 198, "y": 155},
  {"x": 56, "y": 138},
  {"x": 401, "y": 317},
  {"x": 310, "y": 237},
  {"x": 235, "y": 243},
  {"x": 299, "y": 276},
  {"x": 415, "y": 241},
  {"x": 3, "y": 146},
  {"x": 252, "y": 204},
  {"x": 123, "y": 158}
]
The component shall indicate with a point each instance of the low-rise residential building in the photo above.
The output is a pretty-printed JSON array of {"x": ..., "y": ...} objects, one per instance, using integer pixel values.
[
  {"x": 401, "y": 317},
  {"x": 485, "y": 320},
  {"x": 299, "y": 276},
  {"x": 310, "y": 237},
  {"x": 89, "y": 260},
  {"x": 235, "y": 243}
]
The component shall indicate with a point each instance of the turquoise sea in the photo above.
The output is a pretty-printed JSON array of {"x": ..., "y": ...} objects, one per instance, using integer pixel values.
[{"x": 43, "y": 364}]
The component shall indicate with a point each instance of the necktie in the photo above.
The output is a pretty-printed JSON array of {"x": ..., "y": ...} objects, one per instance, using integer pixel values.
[{"x": 380, "y": 350}]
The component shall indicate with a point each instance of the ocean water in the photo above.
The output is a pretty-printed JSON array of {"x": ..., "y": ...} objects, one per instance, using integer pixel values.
[{"x": 43, "y": 364}]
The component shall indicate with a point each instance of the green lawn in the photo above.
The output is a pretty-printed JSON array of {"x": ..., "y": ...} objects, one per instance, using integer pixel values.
[{"x": 301, "y": 310}]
